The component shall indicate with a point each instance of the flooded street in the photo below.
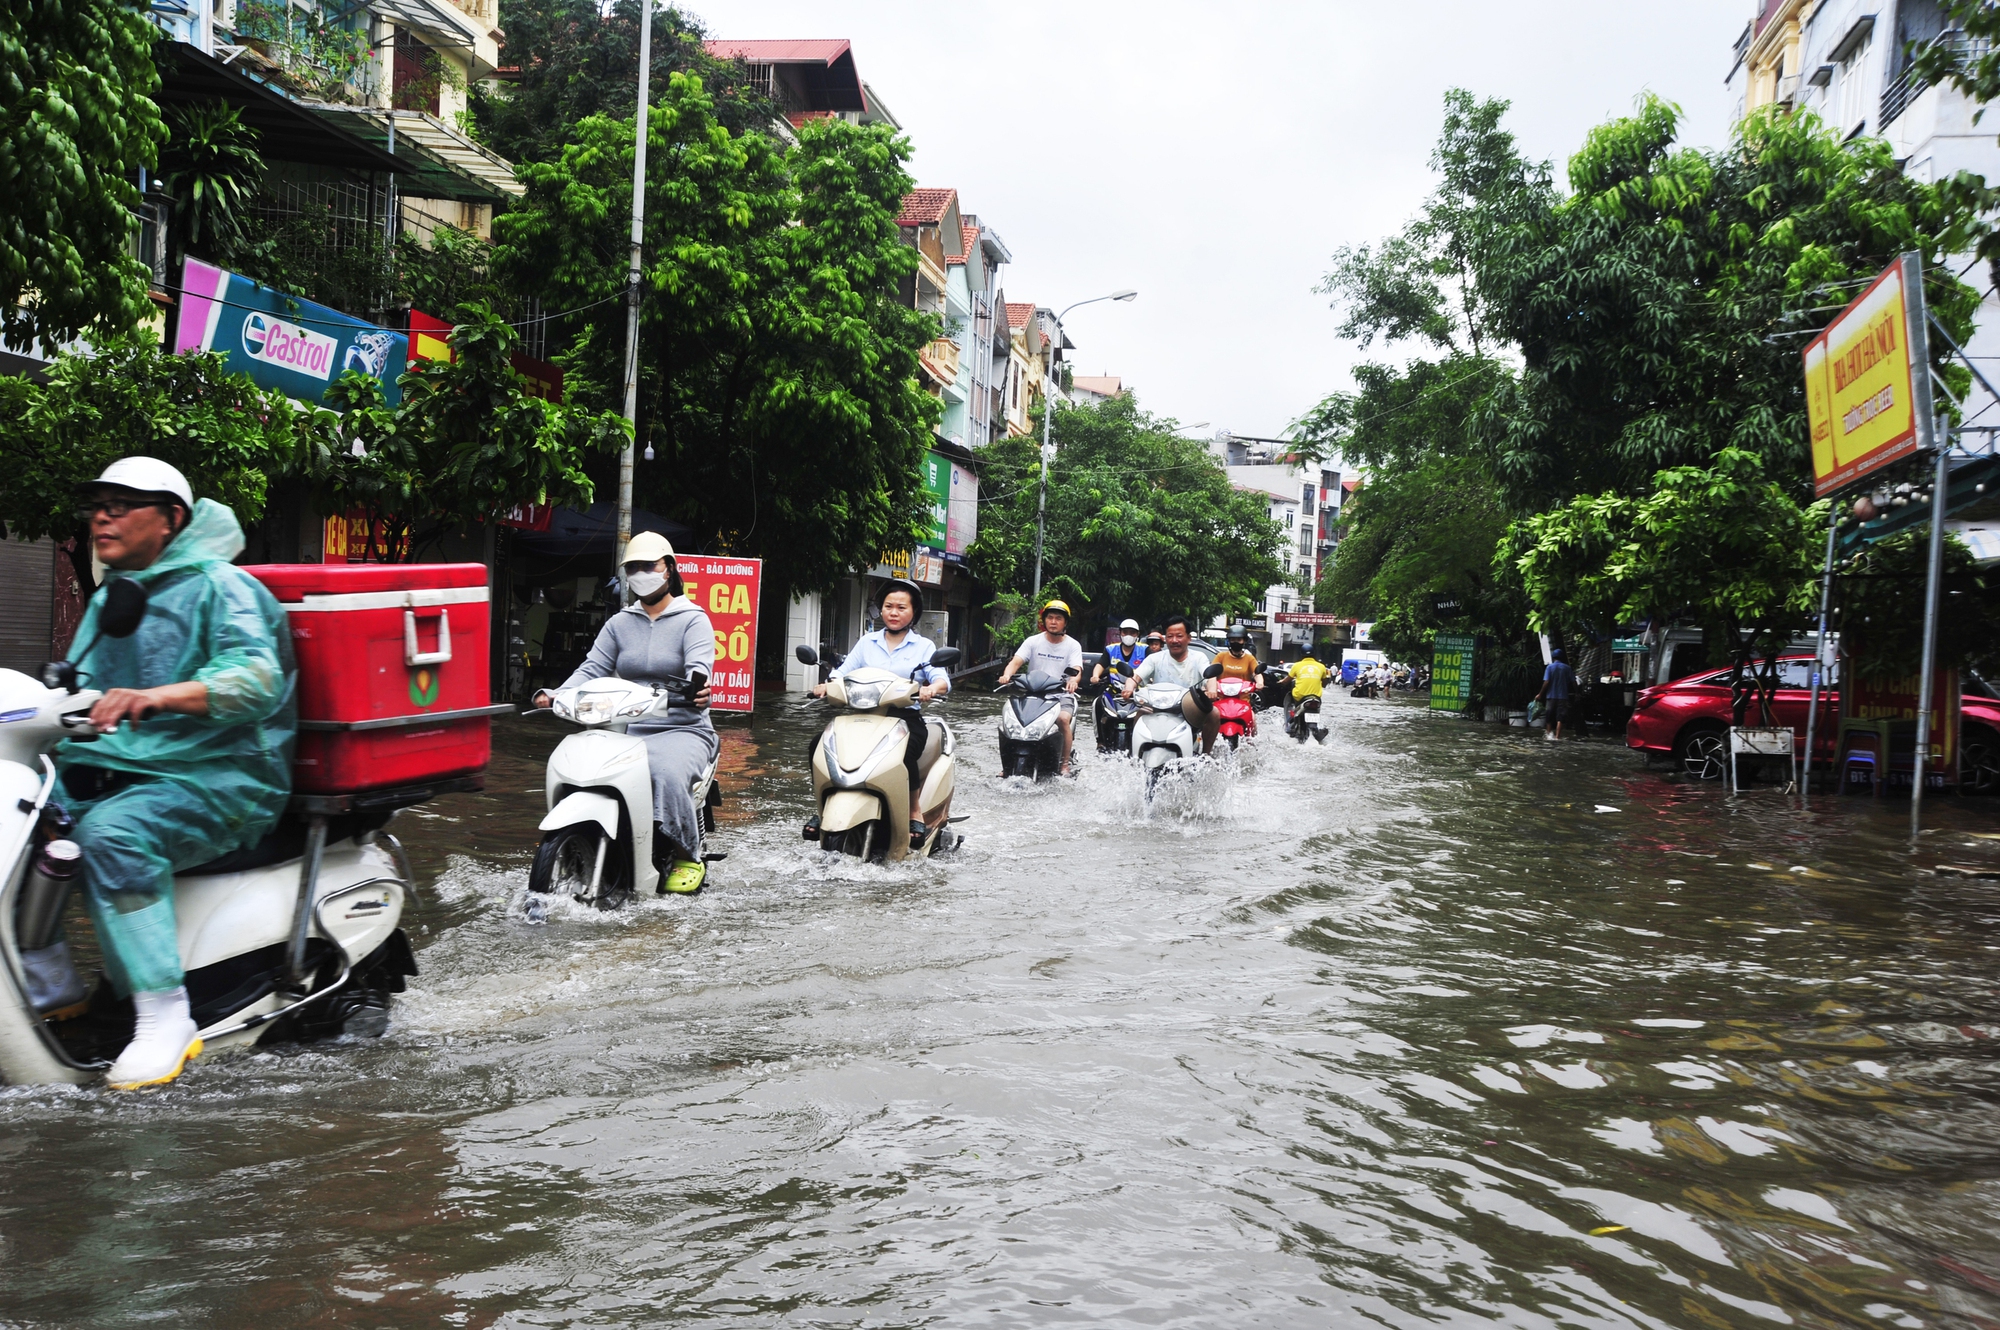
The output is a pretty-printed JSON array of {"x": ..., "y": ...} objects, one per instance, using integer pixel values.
[{"x": 1437, "y": 1024}]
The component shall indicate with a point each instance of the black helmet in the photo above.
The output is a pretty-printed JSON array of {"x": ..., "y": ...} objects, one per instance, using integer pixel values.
[
  {"x": 1238, "y": 633},
  {"x": 904, "y": 584}
]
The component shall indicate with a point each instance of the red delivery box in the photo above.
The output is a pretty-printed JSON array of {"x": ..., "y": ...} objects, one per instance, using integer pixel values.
[{"x": 393, "y": 685}]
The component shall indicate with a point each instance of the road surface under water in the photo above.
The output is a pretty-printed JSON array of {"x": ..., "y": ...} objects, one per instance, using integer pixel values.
[{"x": 1437, "y": 1024}]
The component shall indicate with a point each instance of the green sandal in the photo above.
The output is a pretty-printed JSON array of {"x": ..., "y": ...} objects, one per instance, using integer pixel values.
[{"x": 685, "y": 878}]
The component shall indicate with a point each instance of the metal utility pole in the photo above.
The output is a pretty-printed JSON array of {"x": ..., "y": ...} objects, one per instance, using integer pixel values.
[
  {"x": 1819, "y": 652},
  {"x": 1048, "y": 434},
  {"x": 1927, "y": 435},
  {"x": 626, "y": 459}
]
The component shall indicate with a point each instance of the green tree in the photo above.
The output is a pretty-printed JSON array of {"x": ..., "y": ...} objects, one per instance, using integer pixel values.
[
  {"x": 1878, "y": 585},
  {"x": 1724, "y": 544},
  {"x": 778, "y": 378},
  {"x": 77, "y": 124},
  {"x": 228, "y": 436},
  {"x": 1657, "y": 309},
  {"x": 1141, "y": 521},
  {"x": 464, "y": 445},
  {"x": 211, "y": 168},
  {"x": 575, "y": 59}
]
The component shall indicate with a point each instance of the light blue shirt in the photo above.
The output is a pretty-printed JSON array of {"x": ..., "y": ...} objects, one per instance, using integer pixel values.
[{"x": 910, "y": 659}]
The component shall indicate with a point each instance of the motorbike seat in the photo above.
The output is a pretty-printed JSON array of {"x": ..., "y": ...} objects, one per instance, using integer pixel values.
[{"x": 286, "y": 841}]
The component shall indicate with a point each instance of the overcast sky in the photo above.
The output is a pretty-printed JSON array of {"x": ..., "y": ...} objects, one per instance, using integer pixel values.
[{"x": 1214, "y": 155}]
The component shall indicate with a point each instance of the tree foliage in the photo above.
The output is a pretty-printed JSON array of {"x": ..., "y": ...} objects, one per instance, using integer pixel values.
[
  {"x": 77, "y": 122},
  {"x": 1655, "y": 308},
  {"x": 211, "y": 168},
  {"x": 464, "y": 445},
  {"x": 228, "y": 436},
  {"x": 778, "y": 367},
  {"x": 1877, "y": 588},
  {"x": 1141, "y": 522},
  {"x": 575, "y": 59}
]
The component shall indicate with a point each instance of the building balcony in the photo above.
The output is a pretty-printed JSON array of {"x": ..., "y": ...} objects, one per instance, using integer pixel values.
[{"x": 940, "y": 361}]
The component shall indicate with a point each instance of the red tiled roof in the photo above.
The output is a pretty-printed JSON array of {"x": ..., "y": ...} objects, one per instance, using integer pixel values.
[
  {"x": 969, "y": 236},
  {"x": 926, "y": 207},
  {"x": 1020, "y": 315},
  {"x": 824, "y": 51}
]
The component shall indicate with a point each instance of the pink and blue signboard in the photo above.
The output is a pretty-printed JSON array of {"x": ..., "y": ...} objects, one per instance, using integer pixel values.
[{"x": 281, "y": 341}]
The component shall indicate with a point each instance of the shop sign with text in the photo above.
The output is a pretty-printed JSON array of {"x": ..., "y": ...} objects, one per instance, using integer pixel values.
[
  {"x": 1865, "y": 390},
  {"x": 727, "y": 588},
  {"x": 279, "y": 340},
  {"x": 1451, "y": 672}
]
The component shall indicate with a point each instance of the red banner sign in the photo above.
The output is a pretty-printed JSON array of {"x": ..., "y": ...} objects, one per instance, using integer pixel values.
[
  {"x": 1308, "y": 617},
  {"x": 1896, "y": 700},
  {"x": 727, "y": 589}
]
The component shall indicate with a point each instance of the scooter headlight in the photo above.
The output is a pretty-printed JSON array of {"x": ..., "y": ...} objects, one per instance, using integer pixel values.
[
  {"x": 865, "y": 696},
  {"x": 592, "y": 710},
  {"x": 639, "y": 706}
]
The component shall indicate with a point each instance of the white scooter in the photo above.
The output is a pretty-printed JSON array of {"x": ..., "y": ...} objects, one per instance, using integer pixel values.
[
  {"x": 294, "y": 937},
  {"x": 860, "y": 785},
  {"x": 1161, "y": 737},
  {"x": 598, "y": 844}
]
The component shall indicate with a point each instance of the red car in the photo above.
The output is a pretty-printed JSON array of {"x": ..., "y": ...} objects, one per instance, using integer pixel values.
[{"x": 1688, "y": 720}]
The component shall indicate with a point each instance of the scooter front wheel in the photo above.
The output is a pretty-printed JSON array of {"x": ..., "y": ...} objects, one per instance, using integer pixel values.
[{"x": 568, "y": 857}]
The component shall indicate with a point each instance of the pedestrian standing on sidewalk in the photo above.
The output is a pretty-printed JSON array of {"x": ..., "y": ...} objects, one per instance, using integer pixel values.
[{"x": 1557, "y": 682}]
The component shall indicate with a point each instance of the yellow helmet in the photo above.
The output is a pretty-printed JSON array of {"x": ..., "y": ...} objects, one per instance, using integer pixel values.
[{"x": 1060, "y": 607}]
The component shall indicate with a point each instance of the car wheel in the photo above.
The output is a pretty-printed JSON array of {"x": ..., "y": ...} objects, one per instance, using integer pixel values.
[
  {"x": 1979, "y": 762},
  {"x": 1703, "y": 753}
]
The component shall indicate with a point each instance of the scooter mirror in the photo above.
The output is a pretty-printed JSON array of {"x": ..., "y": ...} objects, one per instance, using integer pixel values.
[
  {"x": 945, "y": 657},
  {"x": 1212, "y": 672},
  {"x": 806, "y": 655},
  {"x": 124, "y": 607}
]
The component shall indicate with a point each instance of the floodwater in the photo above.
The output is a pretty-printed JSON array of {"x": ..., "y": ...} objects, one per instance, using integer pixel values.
[{"x": 1436, "y": 1025}]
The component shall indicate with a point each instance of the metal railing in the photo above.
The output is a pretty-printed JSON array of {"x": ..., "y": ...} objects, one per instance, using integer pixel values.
[{"x": 1907, "y": 85}]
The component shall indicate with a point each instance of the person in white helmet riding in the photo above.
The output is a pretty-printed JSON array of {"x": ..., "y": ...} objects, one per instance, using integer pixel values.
[
  {"x": 194, "y": 754},
  {"x": 662, "y": 632}
]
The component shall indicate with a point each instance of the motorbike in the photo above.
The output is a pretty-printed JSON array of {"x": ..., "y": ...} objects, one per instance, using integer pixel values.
[
  {"x": 1232, "y": 704},
  {"x": 1302, "y": 719},
  {"x": 295, "y": 937},
  {"x": 1030, "y": 739},
  {"x": 598, "y": 838},
  {"x": 1274, "y": 688},
  {"x": 860, "y": 785},
  {"x": 1161, "y": 737},
  {"x": 1113, "y": 715}
]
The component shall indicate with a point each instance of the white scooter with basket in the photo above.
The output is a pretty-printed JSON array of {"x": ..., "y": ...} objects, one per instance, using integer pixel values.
[{"x": 598, "y": 845}]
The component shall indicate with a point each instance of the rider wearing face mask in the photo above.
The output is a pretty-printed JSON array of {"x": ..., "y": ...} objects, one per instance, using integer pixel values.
[
  {"x": 1128, "y": 653},
  {"x": 662, "y": 633}
]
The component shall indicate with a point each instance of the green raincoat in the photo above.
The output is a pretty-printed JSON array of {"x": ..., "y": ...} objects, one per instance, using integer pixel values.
[{"x": 181, "y": 789}]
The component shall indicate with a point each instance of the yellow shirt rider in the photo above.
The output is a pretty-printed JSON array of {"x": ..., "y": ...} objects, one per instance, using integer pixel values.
[
  {"x": 1237, "y": 661},
  {"x": 1308, "y": 677}
]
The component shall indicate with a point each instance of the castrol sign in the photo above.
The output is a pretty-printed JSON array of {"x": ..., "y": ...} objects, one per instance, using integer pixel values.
[
  {"x": 280, "y": 340},
  {"x": 288, "y": 345}
]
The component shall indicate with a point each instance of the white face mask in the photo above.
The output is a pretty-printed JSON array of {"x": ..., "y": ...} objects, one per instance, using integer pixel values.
[
  {"x": 644, "y": 585},
  {"x": 1130, "y": 639}
]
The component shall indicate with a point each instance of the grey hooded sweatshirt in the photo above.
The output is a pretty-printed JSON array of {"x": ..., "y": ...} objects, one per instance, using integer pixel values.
[{"x": 680, "y": 744}]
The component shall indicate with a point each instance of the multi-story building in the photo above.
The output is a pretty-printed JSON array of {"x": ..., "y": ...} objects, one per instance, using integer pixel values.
[
  {"x": 1090, "y": 389},
  {"x": 1850, "y": 62},
  {"x": 1304, "y": 498},
  {"x": 809, "y": 79}
]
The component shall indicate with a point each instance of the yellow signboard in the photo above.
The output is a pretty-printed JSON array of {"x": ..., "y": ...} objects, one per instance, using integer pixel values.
[{"x": 1866, "y": 406}]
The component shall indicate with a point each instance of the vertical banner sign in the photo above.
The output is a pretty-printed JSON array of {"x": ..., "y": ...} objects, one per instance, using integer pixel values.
[
  {"x": 937, "y": 488},
  {"x": 726, "y": 588},
  {"x": 281, "y": 341},
  {"x": 1867, "y": 390},
  {"x": 1451, "y": 672},
  {"x": 962, "y": 519}
]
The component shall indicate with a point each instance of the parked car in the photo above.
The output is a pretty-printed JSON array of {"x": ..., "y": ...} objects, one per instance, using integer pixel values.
[{"x": 1688, "y": 720}]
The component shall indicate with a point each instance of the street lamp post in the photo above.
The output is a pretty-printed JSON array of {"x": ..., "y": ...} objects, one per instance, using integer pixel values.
[
  {"x": 626, "y": 459},
  {"x": 1048, "y": 435}
]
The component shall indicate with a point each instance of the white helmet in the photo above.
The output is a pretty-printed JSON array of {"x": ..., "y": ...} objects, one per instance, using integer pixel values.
[
  {"x": 1130, "y": 625},
  {"x": 144, "y": 475},
  {"x": 645, "y": 547}
]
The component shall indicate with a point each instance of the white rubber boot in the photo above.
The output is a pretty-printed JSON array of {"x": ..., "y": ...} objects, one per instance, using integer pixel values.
[{"x": 162, "y": 1042}]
